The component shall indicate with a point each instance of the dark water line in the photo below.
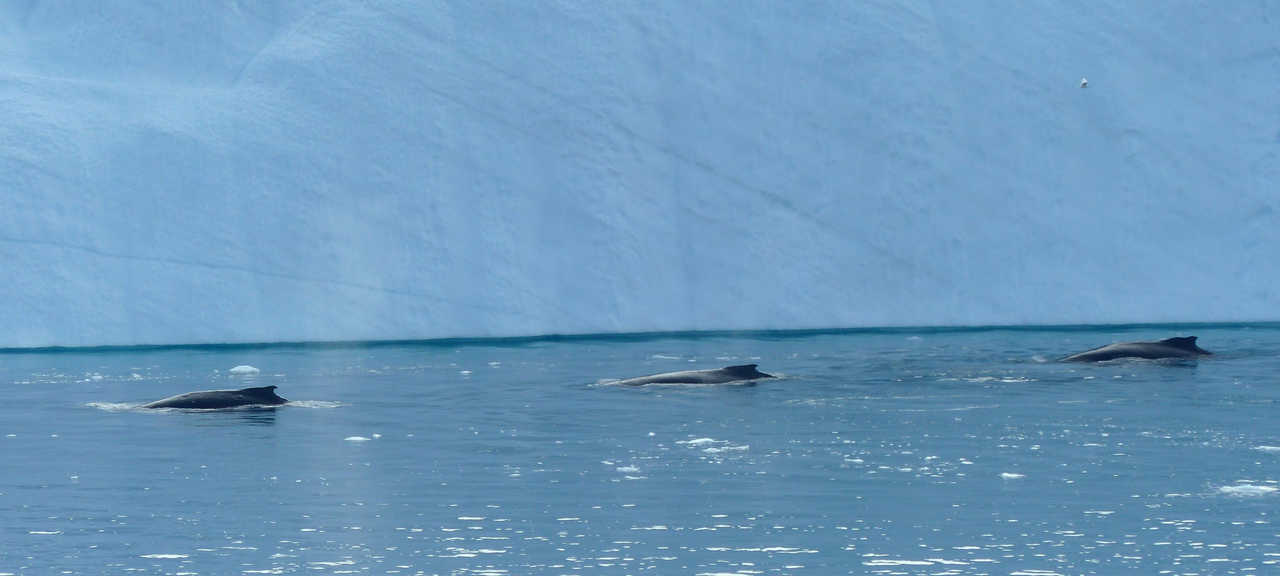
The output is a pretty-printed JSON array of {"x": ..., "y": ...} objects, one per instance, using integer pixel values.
[{"x": 515, "y": 341}]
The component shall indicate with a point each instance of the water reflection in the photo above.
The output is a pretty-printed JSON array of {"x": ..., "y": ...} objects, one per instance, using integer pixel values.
[{"x": 251, "y": 416}]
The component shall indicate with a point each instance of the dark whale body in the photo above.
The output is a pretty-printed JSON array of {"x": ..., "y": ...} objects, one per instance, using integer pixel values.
[
  {"x": 212, "y": 399},
  {"x": 715, "y": 376},
  {"x": 1184, "y": 347}
]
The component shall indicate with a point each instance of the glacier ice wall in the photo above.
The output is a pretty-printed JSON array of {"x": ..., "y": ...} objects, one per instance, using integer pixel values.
[{"x": 231, "y": 171}]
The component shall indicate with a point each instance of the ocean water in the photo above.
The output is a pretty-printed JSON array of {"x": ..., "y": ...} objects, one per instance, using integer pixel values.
[{"x": 876, "y": 452}]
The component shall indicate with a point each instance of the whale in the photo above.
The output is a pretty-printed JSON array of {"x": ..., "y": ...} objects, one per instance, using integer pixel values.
[
  {"x": 1182, "y": 347},
  {"x": 213, "y": 399},
  {"x": 741, "y": 373}
]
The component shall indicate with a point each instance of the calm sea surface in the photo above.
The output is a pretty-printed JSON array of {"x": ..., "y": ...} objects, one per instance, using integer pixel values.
[{"x": 877, "y": 452}]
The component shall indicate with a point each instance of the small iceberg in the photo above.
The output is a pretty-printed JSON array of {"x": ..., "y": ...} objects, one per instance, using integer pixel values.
[{"x": 243, "y": 370}]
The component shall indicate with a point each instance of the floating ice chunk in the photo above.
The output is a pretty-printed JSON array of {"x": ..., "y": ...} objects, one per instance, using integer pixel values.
[
  {"x": 698, "y": 441},
  {"x": 722, "y": 449},
  {"x": 1247, "y": 490},
  {"x": 357, "y": 439},
  {"x": 243, "y": 370}
]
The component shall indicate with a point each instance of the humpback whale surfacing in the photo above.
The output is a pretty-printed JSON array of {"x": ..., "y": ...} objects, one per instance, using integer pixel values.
[
  {"x": 741, "y": 373},
  {"x": 1182, "y": 347},
  {"x": 212, "y": 399}
]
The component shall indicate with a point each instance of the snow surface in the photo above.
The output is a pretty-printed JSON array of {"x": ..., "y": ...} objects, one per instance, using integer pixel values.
[{"x": 229, "y": 171}]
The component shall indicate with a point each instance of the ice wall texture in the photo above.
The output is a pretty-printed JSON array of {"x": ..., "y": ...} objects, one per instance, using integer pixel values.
[{"x": 222, "y": 171}]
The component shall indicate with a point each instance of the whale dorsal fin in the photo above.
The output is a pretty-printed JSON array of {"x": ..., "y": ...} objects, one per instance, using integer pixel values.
[
  {"x": 746, "y": 372},
  {"x": 259, "y": 390},
  {"x": 1184, "y": 342}
]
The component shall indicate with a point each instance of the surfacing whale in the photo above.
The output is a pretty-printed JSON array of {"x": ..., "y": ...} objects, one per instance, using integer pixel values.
[
  {"x": 211, "y": 399},
  {"x": 715, "y": 376},
  {"x": 1183, "y": 347}
]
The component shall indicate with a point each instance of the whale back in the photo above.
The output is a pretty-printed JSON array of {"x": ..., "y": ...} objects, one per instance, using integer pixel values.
[
  {"x": 215, "y": 399},
  {"x": 711, "y": 376},
  {"x": 1177, "y": 347}
]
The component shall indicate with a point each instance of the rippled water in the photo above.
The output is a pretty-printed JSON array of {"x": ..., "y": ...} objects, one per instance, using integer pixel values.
[{"x": 889, "y": 452}]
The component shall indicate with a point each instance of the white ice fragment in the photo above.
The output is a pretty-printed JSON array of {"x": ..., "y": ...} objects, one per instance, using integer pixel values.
[
  {"x": 697, "y": 441},
  {"x": 1247, "y": 490}
]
